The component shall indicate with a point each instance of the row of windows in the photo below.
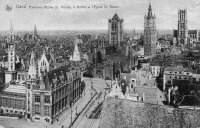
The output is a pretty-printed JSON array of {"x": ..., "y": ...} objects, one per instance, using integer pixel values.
[
  {"x": 11, "y": 111},
  {"x": 185, "y": 78},
  {"x": 60, "y": 93},
  {"x": 179, "y": 73},
  {"x": 43, "y": 63},
  {"x": 13, "y": 103},
  {"x": 46, "y": 99},
  {"x": 60, "y": 105},
  {"x": 46, "y": 110}
]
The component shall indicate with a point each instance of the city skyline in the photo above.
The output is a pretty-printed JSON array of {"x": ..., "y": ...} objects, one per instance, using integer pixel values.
[{"x": 132, "y": 11}]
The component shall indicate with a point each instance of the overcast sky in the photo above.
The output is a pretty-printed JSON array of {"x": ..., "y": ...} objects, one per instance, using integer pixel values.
[{"x": 132, "y": 11}]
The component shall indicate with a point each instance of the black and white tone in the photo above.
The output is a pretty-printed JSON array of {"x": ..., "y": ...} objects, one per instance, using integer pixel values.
[{"x": 99, "y": 64}]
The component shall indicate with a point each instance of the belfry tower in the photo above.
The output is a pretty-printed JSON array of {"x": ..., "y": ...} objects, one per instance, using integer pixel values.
[
  {"x": 10, "y": 74},
  {"x": 150, "y": 33},
  {"x": 182, "y": 27}
]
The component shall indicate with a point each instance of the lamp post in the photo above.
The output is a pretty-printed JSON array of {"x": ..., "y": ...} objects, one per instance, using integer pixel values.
[
  {"x": 71, "y": 115},
  {"x": 91, "y": 88},
  {"x": 76, "y": 111}
]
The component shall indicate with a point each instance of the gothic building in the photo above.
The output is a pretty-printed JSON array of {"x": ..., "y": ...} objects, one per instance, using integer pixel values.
[
  {"x": 182, "y": 35},
  {"x": 115, "y": 31},
  {"x": 182, "y": 32},
  {"x": 150, "y": 33},
  {"x": 31, "y": 37},
  {"x": 112, "y": 56},
  {"x": 42, "y": 93}
]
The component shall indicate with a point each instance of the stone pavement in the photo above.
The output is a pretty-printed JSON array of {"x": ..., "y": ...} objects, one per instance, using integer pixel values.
[{"x": 64, "y": 119}]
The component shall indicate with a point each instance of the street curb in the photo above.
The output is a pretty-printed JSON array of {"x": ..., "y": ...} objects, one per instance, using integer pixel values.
[{"x": 82, "y": 110}]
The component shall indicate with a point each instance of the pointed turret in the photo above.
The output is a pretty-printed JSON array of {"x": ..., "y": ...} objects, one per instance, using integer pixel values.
[
  {"x": 115, "y": 17},
  {"x": 76, "y": 54},
  {"x": 150, "y": 14},
  {"x": 11, "y": 27},
  {"x": 32, "y": 60},
  {"x": 35, "y": 31},
  {"x": 32, "y": 67}
]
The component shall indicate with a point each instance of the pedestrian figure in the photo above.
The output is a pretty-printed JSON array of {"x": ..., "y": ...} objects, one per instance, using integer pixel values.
[
  {"x": 62, "y": 126},
  {"x": 57, "y": 119},
  {"x": 86, "y": 115}
]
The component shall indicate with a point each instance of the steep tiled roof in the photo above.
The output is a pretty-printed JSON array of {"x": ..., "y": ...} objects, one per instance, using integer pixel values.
[
  {"x": 116, "y": 57},
  {"x": 16, "y": 89},
  {"x": 115, "y": 17},
  {"x": 56, "y": 75}
]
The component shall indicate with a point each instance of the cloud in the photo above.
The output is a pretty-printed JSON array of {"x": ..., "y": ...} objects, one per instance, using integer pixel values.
[{"x": 132, "y": 11}]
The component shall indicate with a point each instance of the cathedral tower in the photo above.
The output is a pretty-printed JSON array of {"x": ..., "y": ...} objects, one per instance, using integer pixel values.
[
  {"x": 115, "y": 31},
  {"x": 35, "y": 33},
  {"x": 182, "y": 27},
  {"x": 150, "y": 33}
]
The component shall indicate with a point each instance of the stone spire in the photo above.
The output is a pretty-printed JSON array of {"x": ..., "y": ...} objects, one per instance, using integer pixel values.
[
  {"x": 32, "y": 60},
  {"x": 76, "y": 54},
  {"x": 11, "y": 27},
  {"x": 150, "y": 14},
  {"x": 35, "y": 31}
]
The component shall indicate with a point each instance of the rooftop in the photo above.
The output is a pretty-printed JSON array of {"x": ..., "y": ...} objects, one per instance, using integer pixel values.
[
  {"x": 16, "y": 89},
  {"x": 179, "y": 69}
]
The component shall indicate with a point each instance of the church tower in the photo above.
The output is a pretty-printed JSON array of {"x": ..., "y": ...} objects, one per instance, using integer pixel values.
[
  {"x": 150, "y": 33},
  {"x": 182, "y": 27},
  {"x": 35, "y": 33},
  {"x": 115, "y": 31},
  {"x": 32, "y": 67},
  {"x": 10, "y": 74}
]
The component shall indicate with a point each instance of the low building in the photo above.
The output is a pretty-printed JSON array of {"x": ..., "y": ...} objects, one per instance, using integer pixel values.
[
  {"x": 155, "y": 68},
  {"x": 176, "y": 73},
  {"x": 13, "y": 100}
]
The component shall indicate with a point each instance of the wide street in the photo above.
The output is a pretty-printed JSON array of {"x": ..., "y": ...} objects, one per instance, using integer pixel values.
[
  {"x": 65, "y": 117},
  {"x": 90, "y": 119}
]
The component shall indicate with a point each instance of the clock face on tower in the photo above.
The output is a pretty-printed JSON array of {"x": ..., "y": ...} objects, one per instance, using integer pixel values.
[{"x": 11, "y": 46}]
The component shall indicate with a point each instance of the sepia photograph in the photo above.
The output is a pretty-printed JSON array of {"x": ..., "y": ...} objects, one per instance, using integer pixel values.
[{"x": 99, "y": 64}]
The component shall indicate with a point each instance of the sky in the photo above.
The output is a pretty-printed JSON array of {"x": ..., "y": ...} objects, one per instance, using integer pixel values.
[{"x": 132, "y": 11}]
